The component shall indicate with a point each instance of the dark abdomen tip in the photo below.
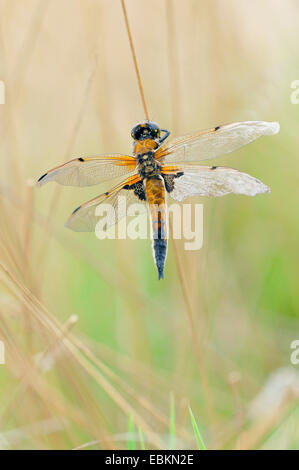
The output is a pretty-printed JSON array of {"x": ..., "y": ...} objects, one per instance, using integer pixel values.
[
  {"x": 160, "y": 274},
  {"x": 160, "y": 249}
]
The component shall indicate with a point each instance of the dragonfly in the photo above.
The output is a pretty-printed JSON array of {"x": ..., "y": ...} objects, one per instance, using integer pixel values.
[{"x": 156, "y": 169}]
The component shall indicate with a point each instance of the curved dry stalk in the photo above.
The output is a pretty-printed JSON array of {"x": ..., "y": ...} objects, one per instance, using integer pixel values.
[{"x": 140, "y": 86}]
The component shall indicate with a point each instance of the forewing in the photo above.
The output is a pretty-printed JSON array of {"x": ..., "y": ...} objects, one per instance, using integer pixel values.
[
  {"x": 90, "y": 170},
  {"x": 196, "y": 180},
  {"x": 214, "y": 142},
  {"x": 84, "y": 218}
]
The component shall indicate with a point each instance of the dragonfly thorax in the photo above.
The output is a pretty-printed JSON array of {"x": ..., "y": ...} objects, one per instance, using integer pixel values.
[{"x": 148, "y": 166}]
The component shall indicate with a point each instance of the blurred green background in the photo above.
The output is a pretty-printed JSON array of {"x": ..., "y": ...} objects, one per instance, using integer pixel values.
[{"x": 93, "y": 341}]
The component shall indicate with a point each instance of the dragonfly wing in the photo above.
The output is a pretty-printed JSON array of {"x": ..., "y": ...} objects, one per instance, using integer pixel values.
[
  {"x": 90, "y": 170},
  {"x": 86, "y": 217},
  {"x": 214, "y": 142},
  {"x": 196, "y": 180}
]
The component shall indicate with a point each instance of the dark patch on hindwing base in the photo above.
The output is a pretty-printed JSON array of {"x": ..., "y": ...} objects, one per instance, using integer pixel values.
[
  {"x": 138, "y": 190},
  {"x": 169, "y": 180}
]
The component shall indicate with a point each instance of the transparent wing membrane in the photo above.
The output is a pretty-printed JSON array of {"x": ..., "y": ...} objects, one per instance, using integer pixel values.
[
  {"x": 196, "y": 180},
  {"x": 214, "y": 142},
  {"x": 90, "y": 171},
  {"x": 85, "y": 218}
]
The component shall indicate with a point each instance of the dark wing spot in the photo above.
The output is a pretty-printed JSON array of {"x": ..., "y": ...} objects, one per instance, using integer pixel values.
[
  {"x": 169, "y": 180},
  {"x": 107, "y": 193},
  {"x": 139, "y": 191},
  {"x": 81, "y": 159},
  {"x": 76, "y": 209},
  {"x": 213, "y": 167},
  {"x": 217, "y": 128},
  {"x": 42, "y": 177}
]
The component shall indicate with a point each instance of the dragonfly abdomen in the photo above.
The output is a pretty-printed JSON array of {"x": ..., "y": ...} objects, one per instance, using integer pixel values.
[
  {"x": 160, "y": 252},
  {"x": 155, "y": 195}
]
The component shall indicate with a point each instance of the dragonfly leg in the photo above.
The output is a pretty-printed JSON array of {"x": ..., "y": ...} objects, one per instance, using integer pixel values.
[{"x": 164, "y": 136}]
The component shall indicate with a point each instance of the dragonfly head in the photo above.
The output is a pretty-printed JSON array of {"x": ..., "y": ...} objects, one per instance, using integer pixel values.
[{"x": 146, "y": 130}]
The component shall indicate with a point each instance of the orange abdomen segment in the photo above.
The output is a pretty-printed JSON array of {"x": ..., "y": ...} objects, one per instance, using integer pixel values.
[{"x": 155, "y": 195}]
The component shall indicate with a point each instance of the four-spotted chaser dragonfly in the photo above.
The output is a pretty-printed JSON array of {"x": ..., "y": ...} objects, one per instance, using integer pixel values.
[{"x": 156, "y": 169}]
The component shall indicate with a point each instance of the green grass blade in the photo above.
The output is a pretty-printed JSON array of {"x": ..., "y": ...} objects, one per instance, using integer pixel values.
[
  {"x": 131, "y": 442},
  {"x": 199, "y": 440},
  {"x": 141, "y": 439},
  {"x": 172, "y": 439}
]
